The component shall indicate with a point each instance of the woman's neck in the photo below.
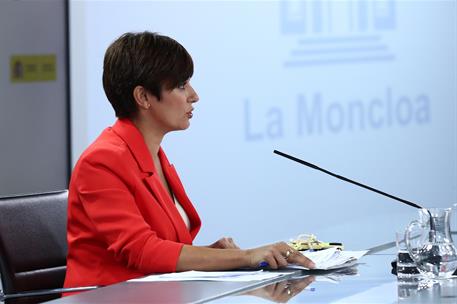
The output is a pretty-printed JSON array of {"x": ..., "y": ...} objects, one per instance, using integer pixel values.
[{"x": 152, "y": 135}]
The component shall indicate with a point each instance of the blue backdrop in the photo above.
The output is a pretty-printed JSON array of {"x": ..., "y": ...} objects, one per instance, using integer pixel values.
[{"x": 364, "y": 88}]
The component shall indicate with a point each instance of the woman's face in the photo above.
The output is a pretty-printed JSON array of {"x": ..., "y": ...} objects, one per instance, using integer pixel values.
[{"x": 174, "y": 110}]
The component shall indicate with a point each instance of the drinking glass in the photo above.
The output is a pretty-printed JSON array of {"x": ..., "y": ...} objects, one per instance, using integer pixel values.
[{"x": 406, "y": 268}]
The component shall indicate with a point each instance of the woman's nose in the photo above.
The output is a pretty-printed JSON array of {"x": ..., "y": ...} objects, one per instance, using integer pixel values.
[{"x": 193, "y": 97}]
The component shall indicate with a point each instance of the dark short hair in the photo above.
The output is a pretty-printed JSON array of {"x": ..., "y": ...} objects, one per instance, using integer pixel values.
[{"x": 148, "y": 59}]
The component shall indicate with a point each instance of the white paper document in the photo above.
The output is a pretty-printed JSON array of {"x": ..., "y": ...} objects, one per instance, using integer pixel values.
[
  {"x": 221, "y": 276},
  {"x": 331, "y": 258}
]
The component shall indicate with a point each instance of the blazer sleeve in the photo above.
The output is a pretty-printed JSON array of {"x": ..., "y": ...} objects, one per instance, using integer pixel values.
[{"x": 110, "y": 206}]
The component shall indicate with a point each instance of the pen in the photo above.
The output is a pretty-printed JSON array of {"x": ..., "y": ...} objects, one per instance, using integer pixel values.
[{"x": 263, "y": 264}]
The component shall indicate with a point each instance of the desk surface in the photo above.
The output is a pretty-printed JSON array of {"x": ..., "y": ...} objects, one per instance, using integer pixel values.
[
  {"x": 368, "y": 282},
  {"x": 163, "y": 292},
  {"x": 372, "y": 283}
]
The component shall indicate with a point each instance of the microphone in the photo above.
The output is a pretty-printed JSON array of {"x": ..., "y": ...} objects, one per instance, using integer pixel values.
[
  {"x": 432, "y": 223},
  {"x": 349, "y": 180}
]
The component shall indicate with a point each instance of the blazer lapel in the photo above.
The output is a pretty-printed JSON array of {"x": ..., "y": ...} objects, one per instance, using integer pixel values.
[
  {"x": 162, "y": 196},
  {"x": 135, "y": 141},
  {"x": 180, "y": 193}
]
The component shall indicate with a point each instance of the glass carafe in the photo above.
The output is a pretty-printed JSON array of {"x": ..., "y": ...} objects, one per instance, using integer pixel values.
[{"x": 430, "y": 244}]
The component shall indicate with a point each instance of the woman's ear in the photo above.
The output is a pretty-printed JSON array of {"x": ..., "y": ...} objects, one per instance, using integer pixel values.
[{"x": 142, "y": 98}]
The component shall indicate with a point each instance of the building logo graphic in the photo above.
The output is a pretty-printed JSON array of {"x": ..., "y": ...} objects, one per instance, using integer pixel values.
[
  {"x": 336, "y": 32},
  {"x": 33, "y": 68}
]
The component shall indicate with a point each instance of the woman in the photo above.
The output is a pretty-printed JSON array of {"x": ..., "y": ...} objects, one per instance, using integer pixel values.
[{"x": 128, "y": 213}]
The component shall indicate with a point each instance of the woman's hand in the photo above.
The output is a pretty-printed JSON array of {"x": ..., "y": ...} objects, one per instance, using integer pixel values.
[
  {"x": 277, "y": 255},
  {"x": 212, "y": 258},
  {"x": 224, "y": 243}
]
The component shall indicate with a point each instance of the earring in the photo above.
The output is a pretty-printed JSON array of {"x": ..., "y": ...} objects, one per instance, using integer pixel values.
[{"x": 148, "y": 105}]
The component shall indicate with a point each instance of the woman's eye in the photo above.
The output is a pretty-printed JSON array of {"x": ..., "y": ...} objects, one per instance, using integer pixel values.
[{"x": 182, "y": 85}]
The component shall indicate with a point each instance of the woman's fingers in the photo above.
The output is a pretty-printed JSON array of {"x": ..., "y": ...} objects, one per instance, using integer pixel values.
[
  {"x": 231, "y": 244},
  {"x": 275, "y": 255},
  {"x": 281, "y": 259},
  {"x": 224, "y": 243},
  {"x": 278, "y": 255},
  {"x": 290, "y": 255},
  {"x": 271, "y": 260},
  {"x": 297, "y": 258}
]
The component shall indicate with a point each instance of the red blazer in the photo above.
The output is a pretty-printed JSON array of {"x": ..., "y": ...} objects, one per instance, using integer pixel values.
[{"x": 122, "y": 222}]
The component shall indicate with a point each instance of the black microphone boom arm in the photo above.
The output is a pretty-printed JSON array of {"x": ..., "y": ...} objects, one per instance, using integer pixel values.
[{"x": 346, "y": 179}]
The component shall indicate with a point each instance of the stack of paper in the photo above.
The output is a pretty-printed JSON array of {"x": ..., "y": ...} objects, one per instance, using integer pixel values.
[
  {"x": 331, "y": 258},
  {"x": 224, "y": 276}
]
